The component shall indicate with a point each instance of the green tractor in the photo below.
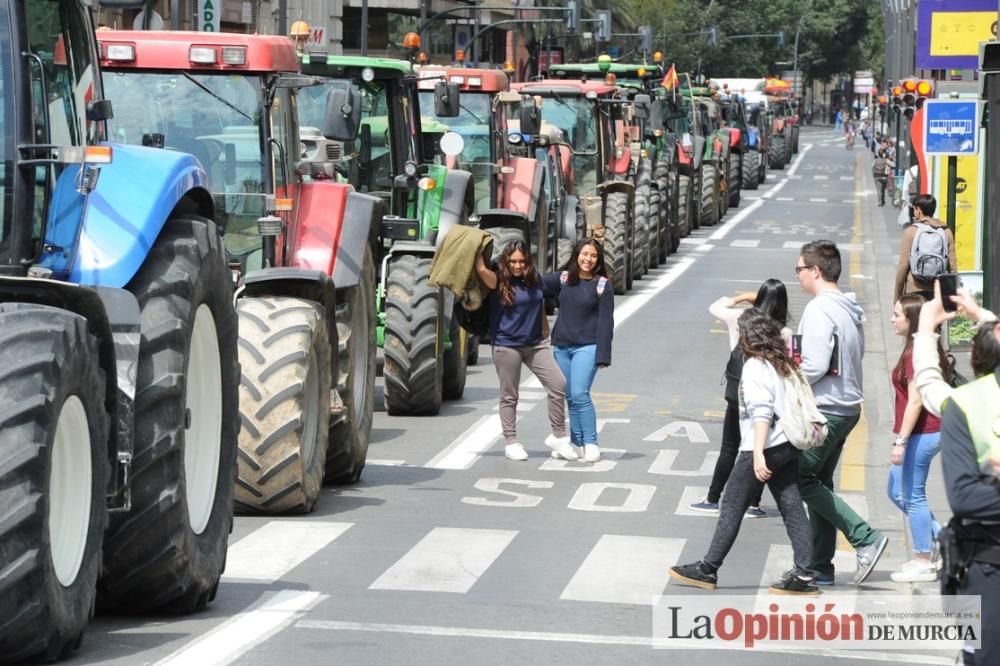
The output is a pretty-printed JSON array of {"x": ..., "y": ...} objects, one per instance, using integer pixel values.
[
  {"x": 399, "y": 160},
  {"x": 712, "y": 143}
]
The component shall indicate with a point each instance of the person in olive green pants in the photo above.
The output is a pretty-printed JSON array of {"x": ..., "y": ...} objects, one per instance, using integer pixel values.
[{"x": 832, "y": 344}]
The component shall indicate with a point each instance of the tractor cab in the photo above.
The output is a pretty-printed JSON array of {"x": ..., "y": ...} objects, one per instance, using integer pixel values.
[
  {"x": 784, "y": 130},
  {"x": 712, "y": 151}
]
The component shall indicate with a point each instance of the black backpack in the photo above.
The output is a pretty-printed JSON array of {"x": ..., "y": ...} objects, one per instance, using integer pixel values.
[{"x": 734, "y": 371}]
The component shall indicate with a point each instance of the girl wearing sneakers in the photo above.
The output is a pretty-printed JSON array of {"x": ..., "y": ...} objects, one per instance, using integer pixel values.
[
  {"x": 772, "y": 298},
  {"x": 916, "y": 444},
  {"x": 518, "y": 330},
  {"x": 582, "y": 336},
  {"x": 765, "y": 456}
]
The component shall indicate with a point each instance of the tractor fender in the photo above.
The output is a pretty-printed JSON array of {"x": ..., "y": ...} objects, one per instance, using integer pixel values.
[
  {"x": 699, "y": 152},
  {"x": 735, "y": 136},
  {"x": 319, "y": 217},
  {"x": 621, "y": 160},
  {"x": 522, "y": 188},
  {"x": 612, "y": 186},
  {"x": 568, "y": 224},
  {"x": 119, "y": 227},
  {"x": 359, "y": 231},
  {"x": 458, "y": 196},
  {"x": 113, "y": 318}
]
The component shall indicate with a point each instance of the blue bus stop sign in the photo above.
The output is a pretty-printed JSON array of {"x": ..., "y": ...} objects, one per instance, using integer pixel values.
[{"x": 951, "y": 126}]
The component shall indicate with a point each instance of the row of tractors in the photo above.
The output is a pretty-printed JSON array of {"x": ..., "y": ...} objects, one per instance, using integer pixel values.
[{"x": 205, "y": 239}]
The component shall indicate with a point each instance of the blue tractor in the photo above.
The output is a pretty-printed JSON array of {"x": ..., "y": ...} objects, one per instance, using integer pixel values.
[{"x": 118, "y": 363}]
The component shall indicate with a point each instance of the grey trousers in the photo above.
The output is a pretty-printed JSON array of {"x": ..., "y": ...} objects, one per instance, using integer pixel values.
[
  {"x": 542, "y": 363},
  {"x": 743, "y": 486}
]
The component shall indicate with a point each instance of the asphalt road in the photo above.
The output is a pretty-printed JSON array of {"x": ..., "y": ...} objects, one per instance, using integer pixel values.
[{"x": 448, "y": 553}]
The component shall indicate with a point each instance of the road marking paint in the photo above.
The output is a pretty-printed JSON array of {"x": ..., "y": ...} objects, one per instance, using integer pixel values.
[
  {"x": 692, "y": 495},
  {"x": 849, "y": 201},
  {"x": 780, "y": 558},
  {"x": 847, "y": 177},
  {"x": 817, "y": 200},
  {"x": 609, "y": 459},
  {"x": 624, "y": 570},
  {"x": 469, "y": 446},
  {"x": 665, "y": 459},
  {"x": 690, "y": 430},
  {"x": 744, "y": 243},
  {"x": 821, "y": 178},
  {"x": 522, "y": 406},
  {"x": 693, "y": 241},
  {"x": 612, "y": 402},
  {"x": 268, "y": 553},
  {"x": 713, "y": 414},
  {"x": 719, "y": 330},
  {"x": 532, "y": 395},
  {"x": 448, "y": 559},
  {"x": 703, "y": 248},
  {"x": 384, "y": 463},
  {"x": 632, "y": 305},
  {"x": 238, "y": 635},
  {"x": 785, "y": 199},
  {"x": 792, "y": 245},
  {"x": 644, "y": 642}
]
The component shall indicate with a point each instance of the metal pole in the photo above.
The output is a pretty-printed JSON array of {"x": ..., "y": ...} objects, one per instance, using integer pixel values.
[
  {"x": 175, "y": 14},
  {"x": 795, "y": 61},
  {"x": 423, "y": 20},
  {"x": 952, "y": 187},
  {"x": 282, "y": 17},
  {"x": 364, "y": 27},
  {"x": 479, "y": 24}
]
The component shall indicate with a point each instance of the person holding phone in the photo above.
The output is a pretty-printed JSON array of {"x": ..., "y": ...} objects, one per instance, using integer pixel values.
[{"x": 518, "y": 331}]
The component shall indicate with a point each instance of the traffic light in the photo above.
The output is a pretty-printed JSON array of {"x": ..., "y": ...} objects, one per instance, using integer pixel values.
[
  {"x": 897, "y": 99},
  {"x": 572, "y": 16},
  {"x": 603, "y": 25},
  {"x": 914, "y": 93},
  {"x": 924, "y": 90},
  {"x": 645, "y": 39},
  {"x": 909, "y": 91}
]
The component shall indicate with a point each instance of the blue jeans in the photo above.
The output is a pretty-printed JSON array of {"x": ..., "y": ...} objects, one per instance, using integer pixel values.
[
  {"x": 578, "y": 365},
  {"x": 908, "y": 488}
]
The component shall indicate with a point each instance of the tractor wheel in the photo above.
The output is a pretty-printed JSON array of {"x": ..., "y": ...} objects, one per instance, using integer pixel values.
[
  {"x": 776, "y": 152},
  {"x": 656, "y": 240},
  {"x": 616, "y": 240},
  {"x": 473, "y": 350},
  {"x": 735, "y": 180},
  {"x": 684, "y": 213},
  {"x": 640, "y": 245},
  {"x": 751, "y": 170},
  {"x": 667, "y": 230},
  {"x": 356, "y": 349},
  {"x": 414, "y": 338},
  {"x": 168, "y": 553},
  {"x": 709, "y": 211},
  {"x": 504, "y": 236},
  {"x": 795, "y": 139},
  {"x": 695, "y": 198},
  {"x": 764, "y": 159},
  {"x": 455, "y": 362},
  {"x": 565, "y": 249},
  {"x": 54, "y": 435},
  {"x": 788, "y": 150},
  {"x": 285, "y": 359},
  {"x": 722, "y": 174}
]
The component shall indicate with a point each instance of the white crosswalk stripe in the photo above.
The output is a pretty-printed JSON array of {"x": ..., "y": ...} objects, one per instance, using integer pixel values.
[
  {"x": 268, "y": 553},
  {"x": 744, "y": 243},
  {"x": 625, "y": 570},
  {"x": 448, "y": 559}
]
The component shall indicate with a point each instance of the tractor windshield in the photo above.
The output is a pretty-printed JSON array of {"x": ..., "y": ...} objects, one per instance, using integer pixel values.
[
  {"x": 475, "y": 123},
  {"x": 216, "y": 118},
  {"x": 576, "y": 117},
  {"x": 6, "y": 131}
]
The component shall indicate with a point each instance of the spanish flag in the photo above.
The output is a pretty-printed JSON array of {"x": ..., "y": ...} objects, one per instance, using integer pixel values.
[{"x": 670, "y": 81}]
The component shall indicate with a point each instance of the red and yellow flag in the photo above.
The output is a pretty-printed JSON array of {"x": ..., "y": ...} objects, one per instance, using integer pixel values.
[{"x": 670, "y": 81}]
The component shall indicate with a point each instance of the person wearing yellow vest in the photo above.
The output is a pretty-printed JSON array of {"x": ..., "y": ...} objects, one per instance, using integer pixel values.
[{"x": 970, "y": 459}]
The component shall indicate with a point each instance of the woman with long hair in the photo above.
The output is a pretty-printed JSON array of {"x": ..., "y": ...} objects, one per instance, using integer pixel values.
[
  {"x": 582, "y": 336},
  {"x": 518, "y": 332},
  {"x": 917, "y": 443},
  {"x": 766, "y": 456},
  {"x": 772, "y": 298}
]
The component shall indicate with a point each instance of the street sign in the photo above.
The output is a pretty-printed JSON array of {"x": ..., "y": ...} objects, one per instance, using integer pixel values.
[{"x": 951, "y": 127}]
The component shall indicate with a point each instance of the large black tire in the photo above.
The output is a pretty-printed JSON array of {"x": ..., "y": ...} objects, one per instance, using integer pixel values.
[
  {"x": 684, "y": 212},
  {"x": 641, "y": 243},
  {"x": 765, "y": 166},
  {"x": 351, "y": 429},
  {"x": 287, "y": 370},
  {"x": 455, "y": 362},
  {"x": 414, "y": 338},
  {"x": 695, "y": 198},
  {"x": 564, "y": 250},
  {"x": 722, "y": 173},
  {"x": 54, "y": 438},
  {"x": 616, "y": 241},
  {"x": 473, "y": 350},
  {"x": 795, "y": 139},
  {"x": 504, "y": 236},
  {"x": 665, "y": 196},
  {"x": 735, "y": 180},
  {"x": 789, "y": 153},
  {"x": 751, "y": 170},
  {"x": 777, "y": 152},
  {"x": 709, "y": 211},
  {"x": 168, "y": 553}
]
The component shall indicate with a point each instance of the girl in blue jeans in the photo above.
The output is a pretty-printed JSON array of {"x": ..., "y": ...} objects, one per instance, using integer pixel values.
[
  {"x": 916, "y": 444},
  {"x": 582, "y": 335}
]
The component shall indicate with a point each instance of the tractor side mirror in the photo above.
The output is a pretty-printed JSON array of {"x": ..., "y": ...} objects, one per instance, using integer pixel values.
[
  {"x": 641, "y": 104},
  {"x": 446, "y": 100},
  {"x": 342, "y": 118},
  {"x": 99, "y": 109},
  {"x": 229, "y": 165},
  {"x": 530, "y": 116}
]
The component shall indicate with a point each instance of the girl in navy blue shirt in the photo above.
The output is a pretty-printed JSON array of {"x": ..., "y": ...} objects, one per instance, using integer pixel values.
[
  {"x": 518, "y": 337},
  {"x": 582, "y": 336}
]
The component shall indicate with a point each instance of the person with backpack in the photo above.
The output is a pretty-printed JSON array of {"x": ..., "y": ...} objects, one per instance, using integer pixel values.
[
  {"x": 831, "y": 347},
  {"x": 766, "y": 456},
  {"x": 772, "y": 298},
  {"x": 582, "y": 337},
  {"x": 880, "y": 172},
  {"x": 518, "y": 332},
  {"x": 914, "y": 448},
  {"x": 927, "y": 249}
]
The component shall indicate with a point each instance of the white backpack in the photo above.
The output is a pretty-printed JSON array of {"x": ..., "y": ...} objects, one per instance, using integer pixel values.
[
  {"x": 800, "y": 418},
  {"x": 928, "y": 252}
]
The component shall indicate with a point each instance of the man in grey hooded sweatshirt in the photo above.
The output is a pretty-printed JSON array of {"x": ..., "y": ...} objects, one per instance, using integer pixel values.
[{"x": 832, "y": 345}]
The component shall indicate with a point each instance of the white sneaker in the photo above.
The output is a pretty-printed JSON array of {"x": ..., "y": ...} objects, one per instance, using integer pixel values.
[
  {"x": 515, "y": 452},
  {"x": 915, "y": 571},
  {"x": 562, "y": 446},
  {"x": 591, "y": 452}
]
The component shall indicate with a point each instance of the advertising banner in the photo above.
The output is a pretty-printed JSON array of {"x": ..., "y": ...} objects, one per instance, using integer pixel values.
[{"x": 949, "y": 32}]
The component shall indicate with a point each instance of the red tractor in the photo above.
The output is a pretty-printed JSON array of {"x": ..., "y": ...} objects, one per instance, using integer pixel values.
[
  {"x": 589, "y": 115},
  {"x": 300, "y": 249}
]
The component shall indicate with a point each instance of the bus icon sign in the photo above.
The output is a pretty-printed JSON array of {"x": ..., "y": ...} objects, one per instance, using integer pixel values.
[{"x": 951, "y": 126}]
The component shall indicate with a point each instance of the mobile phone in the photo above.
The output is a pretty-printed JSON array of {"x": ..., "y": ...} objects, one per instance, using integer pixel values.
[{"x": 949, "y": 287}]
